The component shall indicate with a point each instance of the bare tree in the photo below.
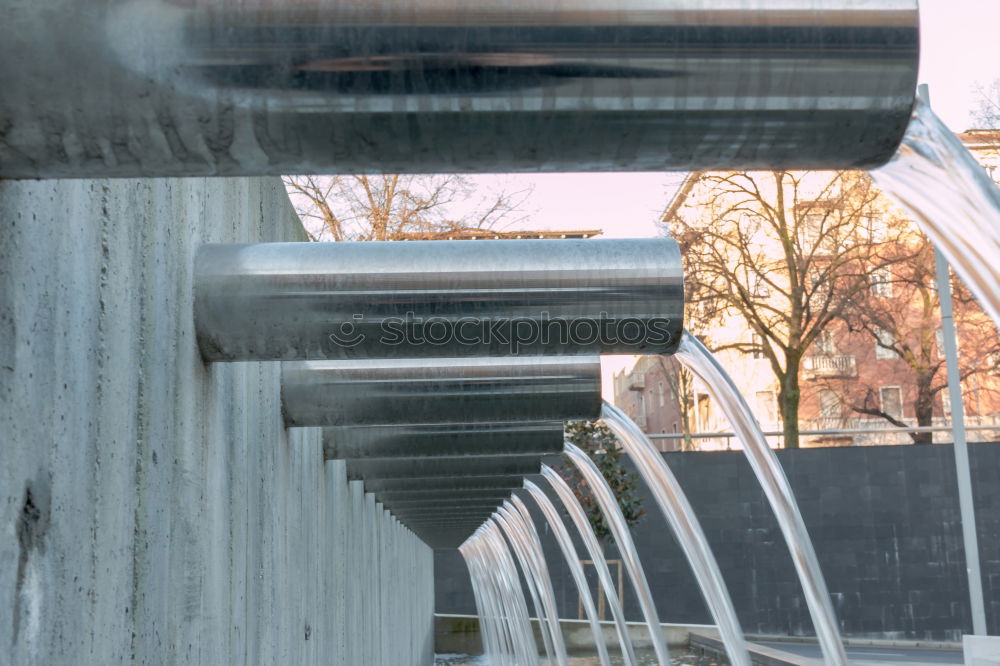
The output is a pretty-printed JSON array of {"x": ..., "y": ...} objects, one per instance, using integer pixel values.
[
  {"x": 986, "y": 115},
  {"x": 680, "y": 380},
  {"x": 392, "y": 206},
  {"x": 899, "y": 318},
  {"x": 784, "y": 254}
]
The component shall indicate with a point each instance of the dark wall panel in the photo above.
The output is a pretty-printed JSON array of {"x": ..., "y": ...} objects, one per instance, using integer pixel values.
[{"x": 884, "y": 520}]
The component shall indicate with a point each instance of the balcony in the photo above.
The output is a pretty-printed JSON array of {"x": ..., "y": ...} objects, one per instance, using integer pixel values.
[
  {"x": 636, "y": 382},
  {"x": 840, "y": 366}
]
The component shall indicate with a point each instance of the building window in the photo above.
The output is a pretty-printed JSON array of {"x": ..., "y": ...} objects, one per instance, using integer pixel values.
[
  {"x": 819, "y": 282},
  {"x": 675, "y": 426},
  {"x": 881, "y": 283},
  {"x": 892, "y": 401},
  {"x": 829, "y": 404},
  {"x": 758, "y": 345},
  {"x": 662, "y": 395},
  {"x": 812, "y": 228},
  {"x": 767, "y": 407},
  {"x": 758, "y": 287},
  {"x": 878, "y": 229},
  {"x": 823, "y": 346},
  {"x": 703, "y": 411},
  {"x": 885, "y": 340}
]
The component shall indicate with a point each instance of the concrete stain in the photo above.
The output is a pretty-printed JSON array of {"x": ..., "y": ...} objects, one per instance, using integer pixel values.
[{"x": 31, "y": 527}]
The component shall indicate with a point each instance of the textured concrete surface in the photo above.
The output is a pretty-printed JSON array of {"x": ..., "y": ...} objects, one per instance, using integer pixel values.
[{"x": 153, "y": 509}]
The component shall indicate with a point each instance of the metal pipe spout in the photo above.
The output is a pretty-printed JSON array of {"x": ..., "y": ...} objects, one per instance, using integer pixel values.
[
  {"x": 455, "y": 440},
  {"x": 458, "y": 299},
  {"x": 426, "y": 391},
  {"x": 418, "y": 486},
  {"x": 443, "y": 467},
  {"x": 99, "y": 88}
]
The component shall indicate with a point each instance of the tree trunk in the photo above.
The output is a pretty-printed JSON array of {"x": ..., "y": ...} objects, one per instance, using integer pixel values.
[
  {"x": 788, "y": 397},
  {"x": 923, "y": 407}
]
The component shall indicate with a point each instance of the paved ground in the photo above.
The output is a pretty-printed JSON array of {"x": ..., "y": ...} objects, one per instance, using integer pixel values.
[{"x": 861, "y": 656}]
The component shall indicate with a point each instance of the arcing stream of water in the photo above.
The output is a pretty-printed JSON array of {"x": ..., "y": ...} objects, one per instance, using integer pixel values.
[
  {"x": 619, "y": 530},
  {"x": 503, "y": 616},
  {"x": 524, "y": 534},
  {"x": 579, "y": 518},
  {"x": 531, "y": 582},
  {"x": 935, "y": 178},
  {"x": 573, "y": 563},
  {"x": 776, "y": 488},
  {"x": 681, "y": 518}
]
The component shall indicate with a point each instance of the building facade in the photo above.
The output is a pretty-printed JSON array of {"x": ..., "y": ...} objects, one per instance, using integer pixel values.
[{"x": 876, "y": 367}]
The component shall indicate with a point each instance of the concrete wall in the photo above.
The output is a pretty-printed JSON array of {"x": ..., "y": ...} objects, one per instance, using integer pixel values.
[
  {"x": 884, "y": 520},
  {"x": 153, "y": 509}
]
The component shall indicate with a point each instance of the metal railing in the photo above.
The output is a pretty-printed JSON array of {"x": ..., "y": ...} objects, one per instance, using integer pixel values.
[
  {"x": 838, "y": 365},
  {"x": 830, "y": 432}
]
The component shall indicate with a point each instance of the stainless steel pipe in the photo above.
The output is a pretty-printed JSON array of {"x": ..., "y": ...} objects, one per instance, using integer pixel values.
[
  {"x": 444, "y": 503},
  {"x": 442, "y": 523},
  {"x": 407, "y": 391},
  {"x": 457, "y": 466},
  {"x": 391, "y": 497},
  {"x": 450, "y": 439},
  {"x": 386, "y": 300},
  {"x": 445, "y": 510},
  {"x": 419, "y": 486},
  {"x": 95, "y": 88},
  {"x": 452, "y": 514}
]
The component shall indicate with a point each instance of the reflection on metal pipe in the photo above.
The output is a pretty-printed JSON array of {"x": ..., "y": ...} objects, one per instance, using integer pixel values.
[
  {"x": 446, "y": 512},
  {"x": 386, "y": 300},
  {"x": 457, "y": 466},
  {"x": 430, "y": 485},
  {"x": 97, "y": 88},
  {"x": 452, "y": 439},
  {"x": 444, "y": 504},
  {"x": 394, "y": 497},
  {"x": 447, "y": 390}
]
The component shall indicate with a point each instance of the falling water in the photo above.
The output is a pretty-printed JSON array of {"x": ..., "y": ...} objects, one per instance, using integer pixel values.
[
  {"x": 776, "y": 488},
  {"x": 494, "y": 624},
  {"x": 573, "y": 562},
  {"x": 952, "y": 198},
  {"x": 530, "y": 580},
  {"x": 489, "y": 618},
  {"x": 589, "y": 539},
  {"x": 485, "y": 621},
  {"x": 521, "y": 519},
  {"x": 508, "y": 518},
  {"x": 619, "y": 529},
  {"x": 526, "y": 650},
  {"x": 681, "y": 518},
  {"x": 511, "y": 628}
]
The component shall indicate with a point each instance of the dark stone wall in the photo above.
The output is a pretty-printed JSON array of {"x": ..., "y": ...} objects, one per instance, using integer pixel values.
[{"x": 884, "y": 520}]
